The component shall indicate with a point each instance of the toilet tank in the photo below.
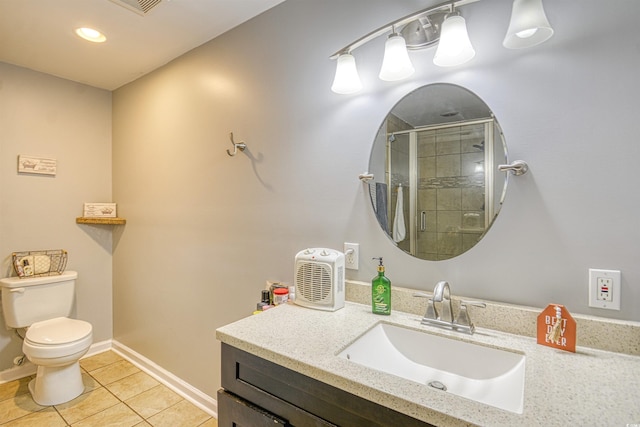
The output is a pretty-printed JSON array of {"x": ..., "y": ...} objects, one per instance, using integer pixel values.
[{"x": 30, "y": 300}]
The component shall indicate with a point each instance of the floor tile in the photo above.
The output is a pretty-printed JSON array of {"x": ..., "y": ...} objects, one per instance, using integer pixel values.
[
  {"x": 14, "y": 388},
  {"x": 46, "y": 418},
  {"x": 119, "y": 415},
  {"x": 211, "y": 422},
  {"x": 99, "y": 360},
  {"x": 182, "y": 414},
  {"x": 129, "y": 396},
  {"x": 11, "y": 409},
  {"x": 89, "y": 382},
  {"x": 114, "y": 372},
  {"x": 86, "y": 405},
  {"x": 152, "y": 401},
  {"x": 132, "y": 385}
]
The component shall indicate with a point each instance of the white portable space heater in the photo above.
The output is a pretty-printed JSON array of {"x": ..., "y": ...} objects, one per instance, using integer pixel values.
[{"x": 319, "y": 279}]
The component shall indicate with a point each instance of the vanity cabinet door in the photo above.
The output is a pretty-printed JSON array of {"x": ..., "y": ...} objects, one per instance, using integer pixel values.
[
  {"x": 236, "y": 412},
  {"x": 300, "y": 400}
]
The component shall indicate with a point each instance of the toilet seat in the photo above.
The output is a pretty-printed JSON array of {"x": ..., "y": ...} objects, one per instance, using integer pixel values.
[{"x": 58, "y": 337}]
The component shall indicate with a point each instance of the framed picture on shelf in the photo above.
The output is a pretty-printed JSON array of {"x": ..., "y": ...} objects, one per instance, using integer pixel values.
[{"x": 99, "y": 210}]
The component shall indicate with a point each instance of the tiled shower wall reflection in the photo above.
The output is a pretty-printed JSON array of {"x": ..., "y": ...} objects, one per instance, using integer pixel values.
[
  {"x": 450, "y": 198},
  {"x": 450, "y": 190}
]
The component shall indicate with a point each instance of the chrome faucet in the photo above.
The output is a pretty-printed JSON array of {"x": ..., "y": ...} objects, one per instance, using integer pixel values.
[
  {"x": 444, "y": 317},
  {"x": 442, "y": 294}
]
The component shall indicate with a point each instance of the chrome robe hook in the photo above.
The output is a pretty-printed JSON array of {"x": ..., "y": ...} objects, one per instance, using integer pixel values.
[{"x": 236, "y": 146}]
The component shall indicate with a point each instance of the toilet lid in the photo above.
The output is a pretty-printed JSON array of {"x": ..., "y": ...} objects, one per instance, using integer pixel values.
[{"x": 60, "y": 330}]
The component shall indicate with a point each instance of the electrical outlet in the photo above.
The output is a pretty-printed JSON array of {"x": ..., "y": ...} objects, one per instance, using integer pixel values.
[
  {"x": 604, "y": 289},
  {"x": 351, "y": 255}
]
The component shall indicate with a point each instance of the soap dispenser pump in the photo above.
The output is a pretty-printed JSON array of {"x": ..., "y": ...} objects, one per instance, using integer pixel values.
[{"x": 381, "y": 292}]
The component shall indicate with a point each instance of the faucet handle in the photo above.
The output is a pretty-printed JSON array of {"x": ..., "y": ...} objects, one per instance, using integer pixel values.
[
  {"x": 432, "y": 312},
  {"x": 473, "y": 303},
  {"x": 463, "y": 318}
]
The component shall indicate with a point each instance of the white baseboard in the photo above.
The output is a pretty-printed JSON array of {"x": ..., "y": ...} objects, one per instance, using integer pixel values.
[
  {"x": 28, "y": 368},
  {"x": 184, "y": 389},
  {"x": 17, "y": 372},
  {"x": 98, "y": 347}
]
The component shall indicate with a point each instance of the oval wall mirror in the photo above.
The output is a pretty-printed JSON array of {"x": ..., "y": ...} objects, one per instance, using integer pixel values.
[{"x": 436, "y": 187}]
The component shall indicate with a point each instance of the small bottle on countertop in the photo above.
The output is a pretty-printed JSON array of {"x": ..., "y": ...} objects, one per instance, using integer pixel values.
[
  {"x": 280, "y": 296},
  {"x": 265, "y": 302},
  {"x": 381, "y": 292},
  {"x": 266, "y": 296}
]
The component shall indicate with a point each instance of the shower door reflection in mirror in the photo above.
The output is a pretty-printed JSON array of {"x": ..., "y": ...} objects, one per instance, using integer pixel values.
[{"x": 440, "y": 186}]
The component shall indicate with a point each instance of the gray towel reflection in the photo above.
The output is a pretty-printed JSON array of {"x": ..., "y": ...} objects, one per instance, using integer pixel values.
[{"x": 381, "y": 206}]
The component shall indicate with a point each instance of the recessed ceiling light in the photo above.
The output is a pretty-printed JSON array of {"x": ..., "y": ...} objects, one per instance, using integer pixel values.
[{"x": 91, "y": 34}]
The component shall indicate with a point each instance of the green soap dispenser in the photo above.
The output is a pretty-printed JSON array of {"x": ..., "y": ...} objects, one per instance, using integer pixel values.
[{"x": 380, "y": 292}]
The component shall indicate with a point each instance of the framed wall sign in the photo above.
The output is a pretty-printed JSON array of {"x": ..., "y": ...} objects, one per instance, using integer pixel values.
[{"x": 36, "y": 165}]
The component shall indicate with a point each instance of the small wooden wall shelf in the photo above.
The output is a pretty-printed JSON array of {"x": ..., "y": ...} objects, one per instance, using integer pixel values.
[{"x": 104, "y": 221}]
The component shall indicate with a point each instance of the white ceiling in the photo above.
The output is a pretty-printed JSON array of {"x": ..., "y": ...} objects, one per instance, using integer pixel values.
[{"x": 39, "y": 34}]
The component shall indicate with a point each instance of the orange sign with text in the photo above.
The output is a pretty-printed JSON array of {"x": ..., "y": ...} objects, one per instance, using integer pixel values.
[{"x": 556, "y": 328}]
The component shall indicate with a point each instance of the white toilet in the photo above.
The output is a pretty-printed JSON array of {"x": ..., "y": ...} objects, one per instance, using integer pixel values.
[{"x": 53, "y": 342}]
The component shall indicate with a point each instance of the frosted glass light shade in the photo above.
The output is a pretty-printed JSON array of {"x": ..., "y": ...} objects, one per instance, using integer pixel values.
[
  {"x": 528, "y": 26},
  {"x": 454, "y": 47},
  {"x": 346, "y": 80},
  {"x": 396, "y": 64}
]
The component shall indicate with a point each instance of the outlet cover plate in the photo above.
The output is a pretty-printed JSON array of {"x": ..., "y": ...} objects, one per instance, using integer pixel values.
[
  {"x": 351, "y": 255},
  {"x": 604, "y": 289}
]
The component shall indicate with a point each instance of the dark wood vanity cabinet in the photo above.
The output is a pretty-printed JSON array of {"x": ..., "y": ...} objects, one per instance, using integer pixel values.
[{"x": 256, "y": 392}]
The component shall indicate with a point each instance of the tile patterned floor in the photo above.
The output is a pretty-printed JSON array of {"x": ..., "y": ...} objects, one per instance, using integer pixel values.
[{"x": 116, "y": 394}]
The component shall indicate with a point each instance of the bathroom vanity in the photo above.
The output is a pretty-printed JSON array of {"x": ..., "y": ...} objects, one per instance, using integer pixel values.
[{"x": 282, "y": 367}]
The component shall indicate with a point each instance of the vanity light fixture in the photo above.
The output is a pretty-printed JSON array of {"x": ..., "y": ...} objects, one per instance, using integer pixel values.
[
  {"x": 454, "y": 47},
  {"x": 529, "y": 25},
  {"x": 441, "y": 23},
  {"x": 396, "y": 64},
  {"x": 347, "y": 79},
  {"x": 91, "y": 35}
]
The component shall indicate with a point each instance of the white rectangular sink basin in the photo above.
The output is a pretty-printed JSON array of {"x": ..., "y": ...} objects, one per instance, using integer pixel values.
[{"x": 488, "y": 375}]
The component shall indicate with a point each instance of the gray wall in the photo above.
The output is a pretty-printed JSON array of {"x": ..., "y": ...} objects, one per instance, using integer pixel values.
[
  {"x": 45, "y": 116},
  {"x": 206, "y": 230}
]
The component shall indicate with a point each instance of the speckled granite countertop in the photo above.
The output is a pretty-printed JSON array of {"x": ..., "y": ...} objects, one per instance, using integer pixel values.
[{"x": 588, "y": 388}]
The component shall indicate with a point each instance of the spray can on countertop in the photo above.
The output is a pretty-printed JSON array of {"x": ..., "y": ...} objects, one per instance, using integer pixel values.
[
  {"x": 381, "y": 292},
  {"x": 264, "y": 303}
]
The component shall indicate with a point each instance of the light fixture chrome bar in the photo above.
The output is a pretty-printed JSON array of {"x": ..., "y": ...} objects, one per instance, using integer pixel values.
[{"x": 450, "y": 5}]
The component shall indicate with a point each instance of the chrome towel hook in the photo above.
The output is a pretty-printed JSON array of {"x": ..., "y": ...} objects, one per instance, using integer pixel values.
[
  {"x": 236, "y": 146},
  {"x": 518, "y": 167}
]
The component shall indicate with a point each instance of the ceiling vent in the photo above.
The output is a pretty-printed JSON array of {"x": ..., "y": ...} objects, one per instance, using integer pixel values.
[{"x": 141, "y": 7}]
